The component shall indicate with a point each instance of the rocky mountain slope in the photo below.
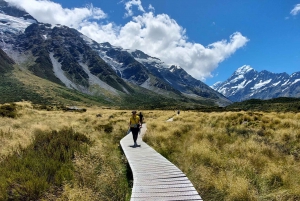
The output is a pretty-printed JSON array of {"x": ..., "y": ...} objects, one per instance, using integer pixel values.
[
  {"x": 68, "y": 58},
  {"x": 246, "y": 83}
]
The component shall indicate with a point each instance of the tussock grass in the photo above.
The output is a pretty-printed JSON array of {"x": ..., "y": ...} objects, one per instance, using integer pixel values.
[
  {"x": 227, "y": 156},
  {"x": 26, "y": 174},
  {"x": 99, "y": 173},
  {"x": 233, "y": 155}
]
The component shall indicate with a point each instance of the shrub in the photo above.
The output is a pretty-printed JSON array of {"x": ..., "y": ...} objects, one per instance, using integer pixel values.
[
  {"x": 8, "y": 110},
  {"x": 107, "y": 128},
  {"x": 27, "y": 174}
]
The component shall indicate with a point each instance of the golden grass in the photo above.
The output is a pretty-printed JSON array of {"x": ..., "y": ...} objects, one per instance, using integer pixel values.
[
  {"x": 233, "y": 155},
  {"x": 227, "y": 156},
  {"x": 100, "y": 174}
]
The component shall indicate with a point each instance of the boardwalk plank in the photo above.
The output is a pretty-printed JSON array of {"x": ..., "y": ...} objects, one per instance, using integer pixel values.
[
  {"x": 154, "y": 177},
  {"x": 148, "y": 189}
]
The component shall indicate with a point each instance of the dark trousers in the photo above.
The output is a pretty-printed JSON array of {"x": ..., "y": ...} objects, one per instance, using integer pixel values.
[{"x": 135, "y": 133}]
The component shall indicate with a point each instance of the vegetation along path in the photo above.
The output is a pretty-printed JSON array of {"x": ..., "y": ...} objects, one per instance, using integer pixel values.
[{"x": 154, "y": 177}]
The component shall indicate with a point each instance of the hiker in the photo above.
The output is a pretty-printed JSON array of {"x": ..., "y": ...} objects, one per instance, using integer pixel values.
[
  {"x": 134, "y": 124},
  {"x": 141, "y": 118}
]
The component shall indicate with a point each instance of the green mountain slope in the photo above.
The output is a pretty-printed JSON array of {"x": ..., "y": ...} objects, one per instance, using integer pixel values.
[
  {"x": 18, "y": 84},
  {"x": 283, "y": 104}
]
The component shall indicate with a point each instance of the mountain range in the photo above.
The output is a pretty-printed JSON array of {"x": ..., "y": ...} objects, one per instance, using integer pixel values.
[
  {"x": 246, "y": 83},
  {"x": 66, "y": 58},
  {"x": 83, "y": 69}
]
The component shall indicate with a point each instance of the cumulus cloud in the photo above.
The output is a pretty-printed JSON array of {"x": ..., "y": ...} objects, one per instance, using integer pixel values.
[
  {"x": 53, "y": 13},
  {"x": 160, "y": 36},
  {"x": 157, "y": 35},
  {"x": 296, "y": 10}
]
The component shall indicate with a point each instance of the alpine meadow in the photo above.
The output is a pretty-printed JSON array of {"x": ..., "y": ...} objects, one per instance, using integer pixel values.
[
  {"x": 84, "y": 89},
  {"x": 246, "y": 155}
]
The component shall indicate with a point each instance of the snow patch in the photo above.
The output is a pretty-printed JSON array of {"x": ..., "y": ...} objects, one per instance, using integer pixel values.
[
  {"x": 152, "y": 61},
  {"x": 13, "y": 24},
  {"x": 297, "y": 80},
  {"x": 240, "y": 86},
  {"x": 285, "y": 83},
  {"x": 114, "y": 64},
  {"x": 222, "y": 91},
  {"x": 261, "y": 84},
  {"x": 87, "y": 39},
  {"x": 277, "y": 83},
  {"x": 239, "y": 77}
]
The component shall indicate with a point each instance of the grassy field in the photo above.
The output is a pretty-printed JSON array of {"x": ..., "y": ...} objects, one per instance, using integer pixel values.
[
  {"x": 233, "y": 155},
  {"x": 99, "y": 172},
  {"x": 226, "y": 155}
]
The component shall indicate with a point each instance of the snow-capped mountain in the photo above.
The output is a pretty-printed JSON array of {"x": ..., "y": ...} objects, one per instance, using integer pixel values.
[
  {"x": 67, "y": 57},
  {"x": 246, "y": 83},
  {"x": 13, "y": 21},
  {"x": 153, "y": 74}
]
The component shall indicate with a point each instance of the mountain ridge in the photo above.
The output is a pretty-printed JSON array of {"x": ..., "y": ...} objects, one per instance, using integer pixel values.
[
  {"x": 66, "y": 57},
  {"x": 246, "y": 83}
]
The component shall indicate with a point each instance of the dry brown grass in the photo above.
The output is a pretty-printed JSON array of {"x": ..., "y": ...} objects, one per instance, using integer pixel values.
[
  {"x": 100, "y": 174},
  {"x": 233, "y": 155},
  {"x": 227, "y": 156}
]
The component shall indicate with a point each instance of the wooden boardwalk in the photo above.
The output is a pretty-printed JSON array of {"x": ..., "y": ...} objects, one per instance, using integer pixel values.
[{"x": 154, "y": 177}]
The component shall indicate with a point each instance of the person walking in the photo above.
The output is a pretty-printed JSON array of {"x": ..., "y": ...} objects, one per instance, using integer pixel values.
[
  {"x": 134, "y": 124},
  {"x": 141, "y": 118}
]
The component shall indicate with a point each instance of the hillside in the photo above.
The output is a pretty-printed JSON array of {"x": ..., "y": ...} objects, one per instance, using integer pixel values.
[
  {"x": 82, "y": 70},
  {"x": 282, "y": 104},
  {"x": 17, "y": 84}
]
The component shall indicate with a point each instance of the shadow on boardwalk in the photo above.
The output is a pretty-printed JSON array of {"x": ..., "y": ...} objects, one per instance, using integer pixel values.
[{"x": 154, "y": 177}]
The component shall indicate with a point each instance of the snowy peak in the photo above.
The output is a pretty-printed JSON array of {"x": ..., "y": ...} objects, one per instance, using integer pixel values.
[
  {"x": 12, "y": 10},
  {"x": 174, "y": 68},
  {"x": 243, "y": 70},
  {"x": 246, "y": 83},
  {"x": 242, "y": 73},
  {"x": 13, "y": 24}
]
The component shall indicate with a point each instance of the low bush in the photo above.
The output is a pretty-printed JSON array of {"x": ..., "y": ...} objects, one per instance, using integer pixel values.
[
  {"x": 47, "y": 162},
  {"x": 233, "y": 155},
  {"x": 8, "y": 110}
]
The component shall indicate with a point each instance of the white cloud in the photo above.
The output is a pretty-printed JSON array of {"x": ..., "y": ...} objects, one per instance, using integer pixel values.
[
  {"x": 160, "y": 36},
  {"x": 157, "y": 35},
  {"x": 296, "y": 10},
  {"x": 129, "y": 4},
  {"x": 150, "y": 7},
  {"x": 50, "y": 12}
]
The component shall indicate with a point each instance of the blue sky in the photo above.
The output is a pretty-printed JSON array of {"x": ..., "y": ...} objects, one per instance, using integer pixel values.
[{"x": 210, "y": 39}]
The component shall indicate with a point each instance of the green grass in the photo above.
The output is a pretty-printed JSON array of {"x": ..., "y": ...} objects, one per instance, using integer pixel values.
[
  {"x": 12, "y": 90},
  {"x": 281, "y": 104}
]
